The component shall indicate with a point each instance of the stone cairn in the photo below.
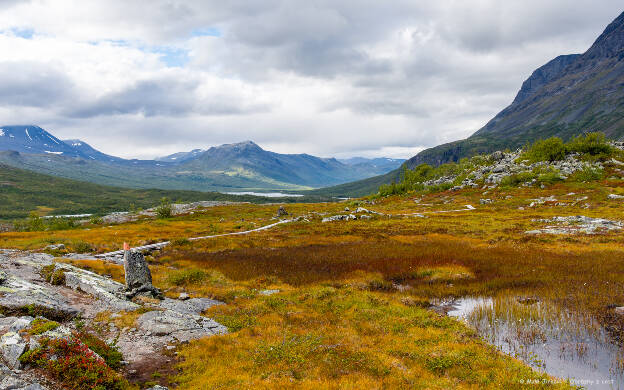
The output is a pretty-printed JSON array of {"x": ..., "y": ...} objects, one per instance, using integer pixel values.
[
  {"x": 138, "y": 275},
  {"x": 281, "y": 212}
]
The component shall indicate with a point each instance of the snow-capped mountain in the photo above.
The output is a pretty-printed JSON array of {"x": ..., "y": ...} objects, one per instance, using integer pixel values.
[{"x": 33, "y": 139}]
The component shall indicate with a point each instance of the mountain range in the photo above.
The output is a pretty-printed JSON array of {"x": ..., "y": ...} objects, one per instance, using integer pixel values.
[{"x": 230, "y": 167}]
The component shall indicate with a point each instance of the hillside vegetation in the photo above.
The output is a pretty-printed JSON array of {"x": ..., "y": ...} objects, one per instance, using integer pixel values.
[
  {"x": 543, "y": 162},
  {"x": 23, "y": 191}
]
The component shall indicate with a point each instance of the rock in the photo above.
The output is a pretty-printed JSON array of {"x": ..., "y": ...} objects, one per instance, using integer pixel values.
[
  {"x": 138, "y": 276},
  {"x": 12, "y": 382},
  {"x": 339, "y": 218},
  {"x": 577, "y": 224},
  {"x": 158, "y": 387},
  {"x": 485, "y": 201},
  {"x": 269, "y": 292},
  {"x": 104, "y": 289},
  {"x": 183, "y": 296},
  {"x": 12, "y": 346},
  {"x": 21, "y": 323},
  {"x": 182, "y": 327},
  {"x": 497, "y": 156},
  {"x": 281, "y": 212},
  {"x": 619, "y": 310},
  {"x": 55, "y": 246},
  {"x": 615, "y": 196},
  {"x": 3, "y": 277},
  {"x": 20, "y": 293},
  {"x": 192, "y": 306},
  {"x": 33, "y": 386}
]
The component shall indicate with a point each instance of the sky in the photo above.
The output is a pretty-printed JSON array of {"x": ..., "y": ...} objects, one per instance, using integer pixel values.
[{"x": 147, "y": 78}]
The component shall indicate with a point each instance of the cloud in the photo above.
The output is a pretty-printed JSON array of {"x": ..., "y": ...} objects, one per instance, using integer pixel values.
[{"x": 322, "y": 77}]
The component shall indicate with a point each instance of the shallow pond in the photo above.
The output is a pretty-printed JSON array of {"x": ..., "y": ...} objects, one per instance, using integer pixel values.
[{"x": 548, "y": 339}]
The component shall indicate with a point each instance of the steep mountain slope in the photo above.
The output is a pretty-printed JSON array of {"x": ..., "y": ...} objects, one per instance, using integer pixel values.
[
  {"x": 33, "y": 139},
  {"x": 87, "y": 151},
  {"x": 565, "y": 97}
]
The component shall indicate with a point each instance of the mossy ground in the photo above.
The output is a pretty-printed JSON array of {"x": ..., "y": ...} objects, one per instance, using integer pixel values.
[{"x": 340, "y": 319}]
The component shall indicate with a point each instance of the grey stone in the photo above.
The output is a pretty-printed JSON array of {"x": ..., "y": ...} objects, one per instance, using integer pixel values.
[
  {"x": 12, "y": 346},
  {"x": 33, "y": 386},
  {"x": 182, "y": 327},
  {"x": 339, "y": 218},
  {"x": 269, "y": 292},
  {"x": 138, "y": 276},
  {"x": 158, "y": 387},
  {"x": 21, "y": 323},
  {"x": 55, "y": 246},
  {"x": 12, "y": 382},
  {"x": 615, "y": 196},
  {"x": 281, "y": 211},
  {"x": 183, "y": 296},
  {"x": 193, "y": 306}
]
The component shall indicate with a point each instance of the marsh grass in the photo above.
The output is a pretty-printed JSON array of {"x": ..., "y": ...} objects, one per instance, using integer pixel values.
[{"x": 340, "y": 319}]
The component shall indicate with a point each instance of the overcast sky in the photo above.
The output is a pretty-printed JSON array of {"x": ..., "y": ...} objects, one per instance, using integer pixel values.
[{"x": 331, "y": 78}]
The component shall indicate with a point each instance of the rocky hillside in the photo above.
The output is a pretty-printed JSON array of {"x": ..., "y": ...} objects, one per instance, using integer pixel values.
[{"x": 565, "y": 97}]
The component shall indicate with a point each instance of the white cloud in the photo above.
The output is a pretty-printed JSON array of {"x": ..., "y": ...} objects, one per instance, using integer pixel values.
[{"x": 355, "y": 77}]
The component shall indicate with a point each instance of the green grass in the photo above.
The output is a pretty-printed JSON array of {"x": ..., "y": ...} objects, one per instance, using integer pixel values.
[{"x": 23, "y": 191}]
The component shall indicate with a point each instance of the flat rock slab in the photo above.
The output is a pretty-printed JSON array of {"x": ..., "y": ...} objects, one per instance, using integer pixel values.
[
  {"x": 17, "y": 294},
  {"x": 182, "y": 327},
  {"x": 193, "y": 306}
]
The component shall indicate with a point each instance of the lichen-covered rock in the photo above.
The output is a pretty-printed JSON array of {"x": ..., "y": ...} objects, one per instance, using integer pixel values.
[
  {"x": 138, "y": 276},
  {"x": 182, "y": 327},
  {"x": 189, "y": 306},
  {"x": 12, "y": 346}
]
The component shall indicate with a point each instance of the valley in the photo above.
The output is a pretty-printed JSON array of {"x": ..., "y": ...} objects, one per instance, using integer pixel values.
[{"x": 364, "y": 292}]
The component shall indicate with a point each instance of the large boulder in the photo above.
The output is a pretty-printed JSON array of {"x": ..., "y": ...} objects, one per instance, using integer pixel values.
[{"x": 138, "y": 276}]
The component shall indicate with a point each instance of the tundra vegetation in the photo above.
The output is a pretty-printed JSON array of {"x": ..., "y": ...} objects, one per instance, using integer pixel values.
[{"x": 347, "y": 304}]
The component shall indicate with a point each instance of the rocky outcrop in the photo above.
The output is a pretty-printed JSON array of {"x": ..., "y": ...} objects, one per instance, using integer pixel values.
[
  {"x": 24, "y": 289},
  {"x": 576, "y": 224}
]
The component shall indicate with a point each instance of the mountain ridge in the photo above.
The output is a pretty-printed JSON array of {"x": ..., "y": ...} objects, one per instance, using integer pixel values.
[
  {"x": 565, "y": 97},
  {"x": 229, "y": 167}
]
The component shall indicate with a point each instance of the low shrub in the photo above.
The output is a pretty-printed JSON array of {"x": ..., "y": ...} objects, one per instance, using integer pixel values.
[
  {"x": 53, "y": 275},
  {"x": 588, "y": 174},
  {"x": 41, "y": 325},
  {"x": 81, "y": 247},
  {"x": 71, "y": 362},
  {"x": 517, "y": 178},
  {"x": 551, "y": 149},
  {"x": 593, "y": 144},
  {"x": 165, "y": 209},
  {"x": 109, "y": 353}
]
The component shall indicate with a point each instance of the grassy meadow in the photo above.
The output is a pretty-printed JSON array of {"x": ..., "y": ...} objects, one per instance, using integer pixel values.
[{"x": 352, "y": 306}]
